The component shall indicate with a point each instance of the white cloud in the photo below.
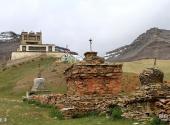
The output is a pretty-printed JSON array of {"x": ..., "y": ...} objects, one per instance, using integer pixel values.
[{"x": 111, "y": 23}]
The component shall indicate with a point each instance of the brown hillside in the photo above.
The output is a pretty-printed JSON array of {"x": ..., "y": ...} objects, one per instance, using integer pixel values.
[
  {"x": 55, "y": 79},
  {"x": 155, "y": 43}
]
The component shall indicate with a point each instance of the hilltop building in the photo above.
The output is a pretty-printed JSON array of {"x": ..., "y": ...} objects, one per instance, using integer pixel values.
[
  {"x": 32, "y": 42},
  {"x": 31, "y": 46}
]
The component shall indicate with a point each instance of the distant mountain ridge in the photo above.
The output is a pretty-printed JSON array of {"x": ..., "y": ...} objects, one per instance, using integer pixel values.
[
  {"x": 7, "y": 36},
  {"x": 154, "y": 43},
  {"x": 9, "y": 41}
]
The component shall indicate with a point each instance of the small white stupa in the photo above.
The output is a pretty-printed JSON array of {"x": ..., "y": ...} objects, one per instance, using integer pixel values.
[{"x": 39, "y": 83}]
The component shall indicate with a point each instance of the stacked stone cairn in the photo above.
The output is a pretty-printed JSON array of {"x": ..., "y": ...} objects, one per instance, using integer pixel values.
[
  {"x": 151, "y": 75},
  {"x": 152, "y": 98}
]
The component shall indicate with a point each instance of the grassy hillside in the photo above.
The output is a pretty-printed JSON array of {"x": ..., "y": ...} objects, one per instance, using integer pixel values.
[
  {"x": 15, "y": 81},
  {"x": 18, "y": 79},
  {"x": 138, "y": 66},
  {"x": 9, "y": 78},
  {"x": 19, "y": 113}
]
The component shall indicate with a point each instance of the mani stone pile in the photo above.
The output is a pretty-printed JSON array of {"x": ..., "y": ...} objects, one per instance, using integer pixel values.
[
  {"x": 77, "y": 106},
  {"x": 152, "y": 98},
  {"x": 151, "y": 75}
]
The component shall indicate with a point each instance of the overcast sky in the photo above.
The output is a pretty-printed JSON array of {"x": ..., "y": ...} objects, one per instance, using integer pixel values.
[{"x": 110, "y": 23}]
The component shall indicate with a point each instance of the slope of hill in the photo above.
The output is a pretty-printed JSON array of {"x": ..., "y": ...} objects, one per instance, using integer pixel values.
[
  {"x": 155, "y": 43},
  {"x": 9, "y": 41},
  {"x": 138, "y": 66},
  {"x": 18, "y": 79}
]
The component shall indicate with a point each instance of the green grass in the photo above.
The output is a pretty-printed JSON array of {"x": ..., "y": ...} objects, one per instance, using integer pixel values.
[
  {"x": 19, "y": 113},
  {"x": 9, "y": 77}
]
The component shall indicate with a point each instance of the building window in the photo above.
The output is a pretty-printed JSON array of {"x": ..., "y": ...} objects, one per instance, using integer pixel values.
[
  {"x": 50, "y": 48},
  {"x": 32, "y": 38},
  {"x": 23, "y": 48},
  {"x": 37, "y": 48},
  {"x": 25, "y": 37},
  {"x": 38, "y": 38},
  {"x": 34, "y": 43}
]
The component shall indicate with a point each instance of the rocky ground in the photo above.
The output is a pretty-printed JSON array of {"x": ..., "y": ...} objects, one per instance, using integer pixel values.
[{"x": 151, "y": 98}]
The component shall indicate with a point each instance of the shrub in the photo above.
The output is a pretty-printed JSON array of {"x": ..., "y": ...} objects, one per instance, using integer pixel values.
[
  {"x": 116, "y": 112},
  {"x": 157, "y": 121},
  {"x": 3, "y": 69},
  {"x": 93, "y": 113},
  {"x": 55, "y": 113},
  {"x": 14, "y": 66}
]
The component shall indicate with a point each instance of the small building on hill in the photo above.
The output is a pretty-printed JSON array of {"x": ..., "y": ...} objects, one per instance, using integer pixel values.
[
  {"x": 31, "y": 46},
  {"x": 32, "y": 42},
  {"x": 31, "y": 38}
]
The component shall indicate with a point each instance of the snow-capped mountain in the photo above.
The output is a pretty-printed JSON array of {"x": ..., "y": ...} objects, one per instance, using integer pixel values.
[
  {"x": 154, "y": 43},
  {"x": 9, "y": 42},
  {"x": 7, "y": 36}
]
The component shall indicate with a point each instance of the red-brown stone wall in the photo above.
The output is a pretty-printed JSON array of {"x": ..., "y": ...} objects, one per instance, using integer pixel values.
[
  {"x": 94, "y": 86},
  {"x": 95, "y": 79}
]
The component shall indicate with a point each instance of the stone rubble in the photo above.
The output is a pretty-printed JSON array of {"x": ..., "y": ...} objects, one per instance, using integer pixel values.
[
  {"x": 150, "y": 99},
  {"x": 72, "y": 106},
  {"x": 91, "y": 89},
  {"x": 151, "y": 75},
  {"x": 139, "y": 106}
]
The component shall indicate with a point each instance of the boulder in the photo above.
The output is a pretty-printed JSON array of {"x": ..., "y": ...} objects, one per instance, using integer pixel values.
[{"x": 151, "y": 75}]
